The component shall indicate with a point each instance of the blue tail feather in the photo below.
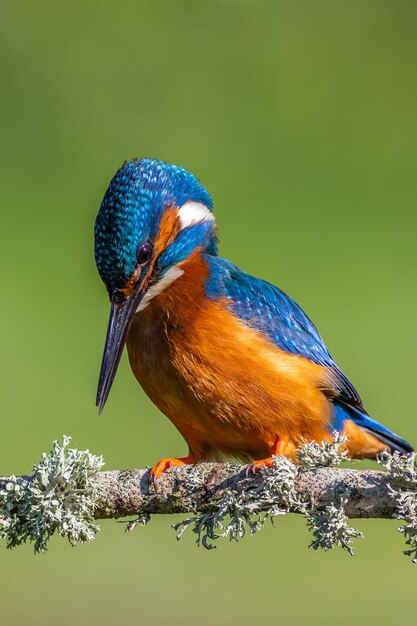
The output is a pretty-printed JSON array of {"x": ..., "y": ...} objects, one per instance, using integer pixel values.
[{"x": 344, "y": 412}]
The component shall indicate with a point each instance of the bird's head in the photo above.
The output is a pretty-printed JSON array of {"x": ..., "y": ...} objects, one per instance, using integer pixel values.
[{"x": 153, "y": 216}]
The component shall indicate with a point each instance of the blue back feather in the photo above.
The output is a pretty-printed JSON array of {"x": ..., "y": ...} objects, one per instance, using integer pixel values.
[{"x": 270, "y": 311}]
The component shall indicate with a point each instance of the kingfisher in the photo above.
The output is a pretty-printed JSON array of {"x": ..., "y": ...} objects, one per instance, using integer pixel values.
[{"x": 230, "y": 359}]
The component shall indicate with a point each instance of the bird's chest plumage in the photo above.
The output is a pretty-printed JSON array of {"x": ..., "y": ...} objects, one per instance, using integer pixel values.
[{"x": 219, "y": 381}]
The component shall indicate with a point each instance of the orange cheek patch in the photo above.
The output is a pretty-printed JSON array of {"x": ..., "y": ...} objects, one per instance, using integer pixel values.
[{"x": 169, "y": 227}]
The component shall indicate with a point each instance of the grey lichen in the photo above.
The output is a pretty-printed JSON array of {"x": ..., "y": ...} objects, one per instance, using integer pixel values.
[
  {"x": 248, "y": 507},
  {"x": 143, "y": 519},
  {"x": 325, "y": 454},
  {"x": 58, "y": 498},
  {"x": 330, "y": 528},
  {"x": 329, "y": 525},
  {"x": 253, "y": 503},
  {"x": 67, "y": 491},
  {"x": 403, "y": 487}
]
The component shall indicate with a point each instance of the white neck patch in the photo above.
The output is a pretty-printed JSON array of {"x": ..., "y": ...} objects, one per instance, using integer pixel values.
[
  {"x": 167, "y": 279},
  {"x": 190, "y": 213},
  {"x": 194, "y": 212}
]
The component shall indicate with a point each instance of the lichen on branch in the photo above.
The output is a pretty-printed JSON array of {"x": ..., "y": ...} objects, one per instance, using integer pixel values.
[
  {"x": 68, "y": 491},
  {"x": 253, "y": 503},
  {"x": 59, "y": 497},
  {"x": 403, "y": 488}
]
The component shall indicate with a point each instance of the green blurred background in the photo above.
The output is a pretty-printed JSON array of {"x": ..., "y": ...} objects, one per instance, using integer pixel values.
[{"x": 300, "y": 118}]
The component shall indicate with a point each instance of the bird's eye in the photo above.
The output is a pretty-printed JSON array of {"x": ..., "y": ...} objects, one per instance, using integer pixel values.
[{"x": 144, "y": 253}]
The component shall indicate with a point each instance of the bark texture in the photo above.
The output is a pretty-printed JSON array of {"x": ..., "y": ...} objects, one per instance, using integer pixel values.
[{"x": 124, "y": 493}]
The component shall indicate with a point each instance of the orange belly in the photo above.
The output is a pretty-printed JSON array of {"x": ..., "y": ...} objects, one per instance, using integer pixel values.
[{"x": 222, "y": 384}]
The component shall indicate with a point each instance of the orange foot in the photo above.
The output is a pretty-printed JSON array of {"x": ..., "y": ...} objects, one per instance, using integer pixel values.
[
  {"x": 167, "y": 462},
  {"x": 281, "y": 444}
]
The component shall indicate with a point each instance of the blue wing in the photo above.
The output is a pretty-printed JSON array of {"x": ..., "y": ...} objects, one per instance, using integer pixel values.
[
  {"x": 268, "y": 309},
  {"x": 272, "y": 312}
]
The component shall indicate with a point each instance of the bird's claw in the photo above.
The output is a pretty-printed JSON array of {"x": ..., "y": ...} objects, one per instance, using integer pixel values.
[
  {"x": 257, "y": 465},
  {"x": 280, "y": 447},
  {"x": 159, "y": 468}
]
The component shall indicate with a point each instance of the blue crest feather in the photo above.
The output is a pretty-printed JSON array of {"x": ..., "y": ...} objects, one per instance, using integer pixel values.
[{"x": 131, "y": 210}]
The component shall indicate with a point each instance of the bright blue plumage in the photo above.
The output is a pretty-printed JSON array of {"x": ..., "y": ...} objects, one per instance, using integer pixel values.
[
  {"x": 192, "y": 237},
  {"x": 362, "y": 419},
  {"x": 271, "y": 311},
  {"x": 268, "y": 309},
  {"x": 130, "y": 216},
  {"x": 139, "y": 193}
]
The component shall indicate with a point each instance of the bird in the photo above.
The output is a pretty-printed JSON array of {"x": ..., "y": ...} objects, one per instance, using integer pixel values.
[{"x": 230, "y": 359}]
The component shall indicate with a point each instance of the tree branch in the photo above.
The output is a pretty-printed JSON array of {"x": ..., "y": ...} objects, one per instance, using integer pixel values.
[
  {"x": 125, "y": 493},
  {"x": 68, "y": 491}
]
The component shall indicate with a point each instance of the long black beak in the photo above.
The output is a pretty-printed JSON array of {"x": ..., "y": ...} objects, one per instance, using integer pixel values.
[{"x": 121, "y": 314}]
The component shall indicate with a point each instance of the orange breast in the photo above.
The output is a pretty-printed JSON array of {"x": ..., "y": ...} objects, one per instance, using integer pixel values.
[{"x": 222, "y": 384}]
